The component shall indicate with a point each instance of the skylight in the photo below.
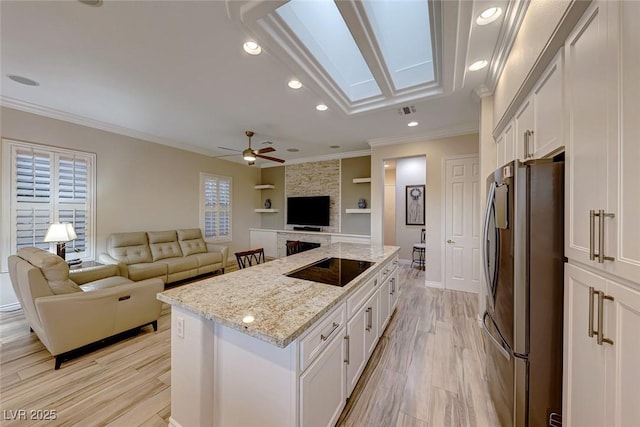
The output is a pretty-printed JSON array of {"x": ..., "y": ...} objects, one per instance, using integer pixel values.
[
  {"x": 403, "y": 33},
  {"x": 320, "y": 27}
]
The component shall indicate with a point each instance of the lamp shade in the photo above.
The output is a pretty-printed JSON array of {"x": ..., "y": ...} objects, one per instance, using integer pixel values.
[{"x": 60, "y": 232}]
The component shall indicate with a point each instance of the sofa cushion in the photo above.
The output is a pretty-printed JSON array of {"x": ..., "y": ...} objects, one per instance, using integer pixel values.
[
  {"x": 208, "y": 258},
  {"x": 176, "y": 265},
  {"x": 129, "y": 248},
  {"x": 193, "y": 246},
  {"x": 189, "y": 234},
  {"x": 53, "y": 268},
  {"x": 164, "y": 244},
  {"x": 147, "y": 270},
  {"x": 107, "y": 282}
]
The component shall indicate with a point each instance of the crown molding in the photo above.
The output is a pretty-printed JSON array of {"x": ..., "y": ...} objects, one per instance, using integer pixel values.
[
  {"x": 52, "y": 113},
  {"x": 321, "y": 158},
  {"x": 465, "y": 129},
  {"x": 508, "y": 33}
]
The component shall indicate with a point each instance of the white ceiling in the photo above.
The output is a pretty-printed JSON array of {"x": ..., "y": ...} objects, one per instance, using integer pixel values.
[{"x": 174, "y": 72}]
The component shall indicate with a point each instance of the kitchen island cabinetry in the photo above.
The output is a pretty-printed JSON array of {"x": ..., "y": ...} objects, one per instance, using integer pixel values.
[{"x": 257, "y": 347}]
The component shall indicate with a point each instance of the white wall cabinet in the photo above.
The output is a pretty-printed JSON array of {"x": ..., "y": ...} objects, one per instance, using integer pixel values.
[
  {"x": 603, "y": 130},
  {"x": 602, "y": 379},
  {"x": 506, "y": 145},
  {"x": 602, "y": 240},
  {"x": 546, "y": 137}
]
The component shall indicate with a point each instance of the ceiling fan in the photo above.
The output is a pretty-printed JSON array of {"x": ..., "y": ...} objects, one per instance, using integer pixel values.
[{"x": 250, "y": 154}]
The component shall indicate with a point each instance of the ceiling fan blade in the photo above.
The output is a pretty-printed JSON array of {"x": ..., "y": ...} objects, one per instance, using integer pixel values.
[
  {"x": 273, "y": 159},
  {"x": 227, "y": 155},
  {"x": 265, "y": 150}
]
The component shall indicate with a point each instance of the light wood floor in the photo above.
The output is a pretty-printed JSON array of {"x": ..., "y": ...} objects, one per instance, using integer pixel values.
[{"x": 426, "y": 371}]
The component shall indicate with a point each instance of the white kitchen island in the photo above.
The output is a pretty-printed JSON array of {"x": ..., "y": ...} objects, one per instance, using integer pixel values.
[{"x": 258, "y": 348}]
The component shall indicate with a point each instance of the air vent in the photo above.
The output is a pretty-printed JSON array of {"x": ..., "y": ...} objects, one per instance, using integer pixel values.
[{"x": 403, "y": 111}]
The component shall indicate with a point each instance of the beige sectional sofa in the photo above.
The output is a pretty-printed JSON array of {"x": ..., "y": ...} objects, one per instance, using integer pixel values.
[{"x": 171, "y": 255}]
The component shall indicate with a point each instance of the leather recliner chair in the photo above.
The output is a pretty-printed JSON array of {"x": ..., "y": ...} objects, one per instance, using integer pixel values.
[{"x": 68, "y": 312}]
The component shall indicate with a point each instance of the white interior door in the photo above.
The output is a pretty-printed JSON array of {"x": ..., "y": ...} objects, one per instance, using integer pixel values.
[{"x": 462, "y": 224}]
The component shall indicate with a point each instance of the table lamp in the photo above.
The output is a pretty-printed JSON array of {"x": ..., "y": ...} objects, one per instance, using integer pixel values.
[{"x": 61, "y": 233}]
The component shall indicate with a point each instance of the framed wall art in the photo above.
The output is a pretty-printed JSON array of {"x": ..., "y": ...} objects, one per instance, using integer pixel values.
[{"x": 415, "y": 208}]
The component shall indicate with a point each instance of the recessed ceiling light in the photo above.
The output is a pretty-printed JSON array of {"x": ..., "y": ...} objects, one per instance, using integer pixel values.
[
  {"x": 321, "y": 107},
  {"x": 478, "y": 65},
  {"x": 334, "y": 146},
  {"x": 248, "y": 319},
  {"x": 294, "y": 84},
  {"x": 412, "y": 124},
  {"x": 23, "y": 80},
  {"x": 292, "y": 150},
  {"x": 252, "y": 48},
  {"x": 489, "y": 16},
  {"x": 386, "y": 165}
]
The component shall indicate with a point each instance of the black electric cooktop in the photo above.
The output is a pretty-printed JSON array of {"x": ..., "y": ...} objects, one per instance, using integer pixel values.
[{"x": 332, "y": 271}]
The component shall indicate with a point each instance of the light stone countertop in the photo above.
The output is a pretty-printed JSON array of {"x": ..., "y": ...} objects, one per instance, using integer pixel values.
[{"x": 283, "y": 307}]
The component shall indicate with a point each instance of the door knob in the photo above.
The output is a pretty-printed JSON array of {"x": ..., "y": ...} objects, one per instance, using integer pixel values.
[{"x": 450, "y": 241}]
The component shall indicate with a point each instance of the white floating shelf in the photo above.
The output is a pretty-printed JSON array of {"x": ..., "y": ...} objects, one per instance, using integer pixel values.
[
  {"x": 264, "y": 187},
  {"x": 359, "y": 211},
  {"x": 267, "y": 210},
  {"x": 361, "y": 180}
]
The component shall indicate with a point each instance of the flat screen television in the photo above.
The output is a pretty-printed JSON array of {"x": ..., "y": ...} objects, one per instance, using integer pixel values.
[{"x": 308, "y": 210}]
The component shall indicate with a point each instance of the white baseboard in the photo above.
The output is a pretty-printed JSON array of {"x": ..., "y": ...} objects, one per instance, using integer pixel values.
[
  {"x": 10, "y": 307},
  {"x": 174, "y": 423},
  {"x": 431, "y": 284}
]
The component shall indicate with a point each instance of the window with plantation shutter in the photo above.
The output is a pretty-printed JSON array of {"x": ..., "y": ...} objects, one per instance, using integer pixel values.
[
  {"x": 41, "y": 185},
  {"x": 215, "y": 207}
]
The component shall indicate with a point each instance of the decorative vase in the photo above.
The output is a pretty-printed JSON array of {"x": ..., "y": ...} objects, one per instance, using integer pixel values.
[
  {"x": 267, "y": 204},
  {"x": 362, "y": 203}
]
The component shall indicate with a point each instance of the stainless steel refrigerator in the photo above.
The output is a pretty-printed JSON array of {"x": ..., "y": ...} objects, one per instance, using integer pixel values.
[{"x": 523, "y": 238}]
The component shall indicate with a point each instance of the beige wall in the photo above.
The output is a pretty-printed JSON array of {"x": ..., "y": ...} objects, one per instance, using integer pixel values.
[
  {"x": 435, "y": 151},
  {"x": 142, "y": 185}
]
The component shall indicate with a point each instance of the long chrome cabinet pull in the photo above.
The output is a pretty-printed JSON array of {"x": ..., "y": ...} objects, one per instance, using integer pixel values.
[
  {"x": 369, "y": 312},
  {"x": 334, "y": 327},
  {"x": 601, "y": 240},
  {"x": 526, "y": 144},
  {"x": 592, "y": 232},
  {"x": 346, "y": 359},
  {"x": 529, "y": 143},
  {"x": 600, "y": 333},
  {"x": 393, "y": 286},
  {"x": 592, "y": 291}
]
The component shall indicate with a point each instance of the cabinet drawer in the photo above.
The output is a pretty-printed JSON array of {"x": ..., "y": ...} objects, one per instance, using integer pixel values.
[
  {"x": 388, "y": 269},
  {"x": 317, "y": 339},
  {"x": 361, "y": 294}
]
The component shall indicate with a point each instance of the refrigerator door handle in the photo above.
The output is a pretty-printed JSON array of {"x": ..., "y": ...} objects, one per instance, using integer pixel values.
[
  {"x": 498, "y": 344},
  {"x": 485, "y": 234}
]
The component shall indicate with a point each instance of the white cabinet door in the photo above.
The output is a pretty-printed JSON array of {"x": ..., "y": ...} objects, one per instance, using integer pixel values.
[
  {"x": 623, "y": 357},
  {"x": 624, "y": 24},
  {"x": 524, "y": 134},
  {"x": 357, "y": 351},
  {"x": 322, "y": 386},
  {"x": 371, "y": 324},
  {"x": 548, "y": 102},
  {"x": 506, "y": 145},
  {"x": 267, "y": 239},
  {"x": 384, "y": 305},
  {"x": 588, "y": 126},
  {"x": 603, "y": 153},
  {"x": 584, "y": 360},
  {"x": 601, "y": 381}
]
